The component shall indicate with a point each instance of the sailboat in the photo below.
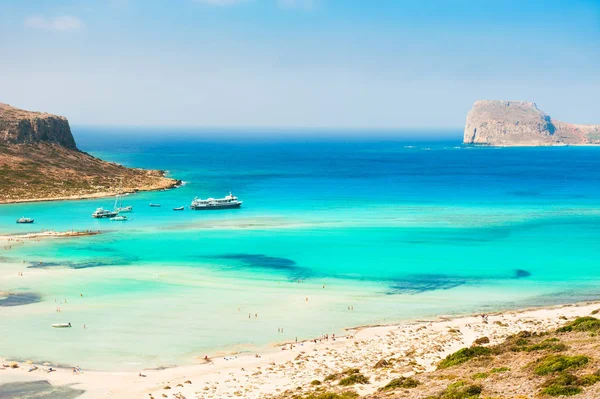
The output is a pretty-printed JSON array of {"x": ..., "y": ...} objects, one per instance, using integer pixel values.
[{"x": 119, "y": 208}]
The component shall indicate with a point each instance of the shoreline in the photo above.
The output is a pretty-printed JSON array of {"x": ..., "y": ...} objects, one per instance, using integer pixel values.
[
  {"x": 172, "y": 184},
  {"x": 417, "y": 345}
]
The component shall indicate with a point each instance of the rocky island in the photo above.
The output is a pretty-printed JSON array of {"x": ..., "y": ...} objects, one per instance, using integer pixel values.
[
  {"x": 39, "y": 161},
  {"x": 521, "y": 123}
]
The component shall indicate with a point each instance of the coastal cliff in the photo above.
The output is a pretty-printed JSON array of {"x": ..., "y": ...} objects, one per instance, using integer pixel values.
[
  {"x": 520, "y": 123},
  {"x": 40, "y": 161}
]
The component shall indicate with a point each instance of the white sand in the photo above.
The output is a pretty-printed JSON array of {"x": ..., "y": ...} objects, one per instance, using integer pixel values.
[{"x": 417, "y": 346}]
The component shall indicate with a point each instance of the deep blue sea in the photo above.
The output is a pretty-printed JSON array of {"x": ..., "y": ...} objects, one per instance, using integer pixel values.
[{"x": 398, "y": 229}]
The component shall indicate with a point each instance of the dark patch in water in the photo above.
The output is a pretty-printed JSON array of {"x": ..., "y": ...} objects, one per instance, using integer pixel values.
[
  {"x": 260, "y": 260},
  {"x": 419, "y": 283},
  {"x": 13, "y": 299},
  {"x": 38, "y": 390},
  {"x": 267, "y": 262},
  {"x": 86, "y": 264},
  {"x": 520, "y": 273}
]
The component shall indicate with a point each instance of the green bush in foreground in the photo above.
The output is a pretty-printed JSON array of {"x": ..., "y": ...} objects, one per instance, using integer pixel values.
[
  {"x": 354, "y": 379},
  {"x": 554, "y": 363},
  {"x": 552, "y": 344},
  {"x": 566, "y": 384},
  {"x": 460, "y": 390},
  {"x": 401, "y": 382},
  {"x": 337, "y": 376},
  {"x": 331, "y": 395},
  {"x": 499, "y": 370},
  {"x": 559, "y": 390},
  {"x": 464, "y": 355},
  {"x": 587, "y": 323},
  {"x": 563, "y": 385}
]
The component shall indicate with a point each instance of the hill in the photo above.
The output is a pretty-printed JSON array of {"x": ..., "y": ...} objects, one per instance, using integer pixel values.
[{"x": 40, "y": 161}]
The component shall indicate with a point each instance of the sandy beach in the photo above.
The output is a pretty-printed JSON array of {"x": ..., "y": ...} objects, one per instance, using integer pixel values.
[{"x": 416, "y": 346}]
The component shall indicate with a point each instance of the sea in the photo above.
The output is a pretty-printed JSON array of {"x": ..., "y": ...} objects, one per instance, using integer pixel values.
[{"x": 335, "y": 231}]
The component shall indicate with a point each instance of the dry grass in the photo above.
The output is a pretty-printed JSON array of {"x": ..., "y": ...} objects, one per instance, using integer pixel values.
[{"x": 46, "y": 171}]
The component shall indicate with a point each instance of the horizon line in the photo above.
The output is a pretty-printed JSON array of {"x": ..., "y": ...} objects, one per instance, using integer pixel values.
[{"x": 273, "y": 128}]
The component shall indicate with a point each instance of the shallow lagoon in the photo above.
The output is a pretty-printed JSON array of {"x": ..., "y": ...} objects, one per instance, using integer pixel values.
[{"x": 397, "y": 230}]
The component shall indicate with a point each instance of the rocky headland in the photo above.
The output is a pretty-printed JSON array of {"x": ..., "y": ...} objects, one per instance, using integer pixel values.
[
  {"x": 521, "y": 123},
  {"x": 40, "y": 161}
]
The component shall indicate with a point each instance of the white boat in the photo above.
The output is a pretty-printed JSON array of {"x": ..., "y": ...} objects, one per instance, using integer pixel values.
[
  {"x": 119, "y": 208},
  {"x": 24, "y": 220},
  {"x": 104, "y": 213},
  {"x": 120, "y": 218},
  {"x": 228, "y": 202},
  {"x": 155, "y": 205},
  {"x": 61, "y": 325}
]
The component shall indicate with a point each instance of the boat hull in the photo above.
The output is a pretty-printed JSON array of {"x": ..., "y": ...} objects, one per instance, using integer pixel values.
[
  {"x": 215, "y": 207},
  {"x": 105, "y": 216}
]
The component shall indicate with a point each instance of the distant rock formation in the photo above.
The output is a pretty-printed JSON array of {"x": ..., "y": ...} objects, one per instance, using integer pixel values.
[
  {"x": 39, "y": 161},
  {"x": 18, "y": 126},
  {"x": 520, "y": 123}
]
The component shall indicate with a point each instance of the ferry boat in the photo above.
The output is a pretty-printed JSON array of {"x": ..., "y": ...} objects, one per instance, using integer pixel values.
[
  {"x": 227, "y": 202},
  {"x": 104, "y": 213},
  {"x": 24, "y": 220}
]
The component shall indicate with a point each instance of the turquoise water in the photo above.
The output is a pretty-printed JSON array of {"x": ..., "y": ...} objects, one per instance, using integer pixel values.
[{"x": 395, "y": 229}]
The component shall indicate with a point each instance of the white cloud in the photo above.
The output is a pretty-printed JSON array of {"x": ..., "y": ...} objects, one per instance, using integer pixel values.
[
  {"x": 61, "y": 24},
  {"x": 297, "y": 4},
  {"x": 220, "y": 3}
]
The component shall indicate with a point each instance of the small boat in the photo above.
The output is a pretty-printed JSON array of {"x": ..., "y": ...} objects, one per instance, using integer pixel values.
[
  {"x": 101, "y": 213},
  {"x": 155, "y": 205},
  {"x": 120, "y": 218},
  {"x": 181, "y": 208},
  {"x": 24, "y": 220},
  {"x": 61, "y": 325}
]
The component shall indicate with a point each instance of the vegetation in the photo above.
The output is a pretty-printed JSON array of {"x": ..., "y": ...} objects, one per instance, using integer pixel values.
[
  {"x": 464, "y": 355},
  {"x": 581, "y": 324},
  {"x": 354, "y": 379},
  {"x": 477, "y": 376},
  {"x": 555, "y": 363},
  {"x": 459, "y": 390},
  {"x": 499, "y": 370},
  {"x": 315, "y": 382},
  {"x": 482, "y": 340},
  {"x": 402, "y": 382},
  {"x": 345, "y": 373},
  {"x": 331, "y": 395},
  {"x": 551, "y": 344},
  {"x": 567, "y": 384}
]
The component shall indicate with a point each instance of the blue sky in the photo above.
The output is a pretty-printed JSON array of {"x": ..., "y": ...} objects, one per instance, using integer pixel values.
[{"x": 298, "y": 63}]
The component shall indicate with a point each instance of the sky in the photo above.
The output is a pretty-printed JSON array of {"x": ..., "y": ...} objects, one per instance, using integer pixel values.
[{"x": 334, "y": 64}]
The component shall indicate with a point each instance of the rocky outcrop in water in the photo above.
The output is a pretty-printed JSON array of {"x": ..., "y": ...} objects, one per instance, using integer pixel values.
[{"x": 520, "y": 123}]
